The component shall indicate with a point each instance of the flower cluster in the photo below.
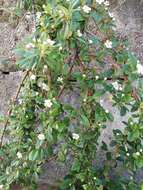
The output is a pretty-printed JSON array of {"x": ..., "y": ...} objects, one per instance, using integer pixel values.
[
  {"x": 108, "y": 44},
  {"x": 48, "y": 103},
  {"x": 41, "y": 137}
]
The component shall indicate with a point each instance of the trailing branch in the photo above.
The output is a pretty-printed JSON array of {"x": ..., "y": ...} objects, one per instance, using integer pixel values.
[{"x": 10, "y": 110}]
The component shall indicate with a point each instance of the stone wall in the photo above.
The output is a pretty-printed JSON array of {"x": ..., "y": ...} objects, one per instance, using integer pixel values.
[
  {"x": 12, "y": 31},
  {"x": 129, "y": 17}
]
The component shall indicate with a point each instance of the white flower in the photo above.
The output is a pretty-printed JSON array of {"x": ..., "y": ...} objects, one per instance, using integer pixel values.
[
  {"x": 75, "y": 136},
  {"x": 141, "y": 150},
  {"x": 79, "y": 33},
  {"x": 115, "y": 28},
  {"x": 53, "y": 26},
  {"x": 117, "y": 134},
  {"x": 100, "y": 1},
  {"x": 44, "y": 6},
  {"x": 30, "y": 46},
  {"x": 120, "y": 88},
  {"x": 20, "y": 101},
  {"x": 131, "y": 178},
  {"x": 84, "y": 75},
  {"x": 60, "y": 48},
  {"x": 111, "y": 14},
  {"x": 41, "y": 137},
  {"x": 107, "y": 111},
  {"x": 84, "y": 99},
  {"x": 105, "y": 78},
  {"x": 33, "y": 29},
  {"x": 38, "y": 15},
  {"x": 19, "y": 155},
  {"x": 116, "y": 85},
  {"x": 106, "y": 3},
  {"x": 123, "y": 95},
  {"x": 140, "y": 68},
  {"x": 108, "y": 44},
  {"x": 127, "y": 154},
  {"x": 60, "y": 79},
  {"x": 86, "y": 9},
  {"x": 44, "y": 87},
  {"x": 45, "y": 67},
  {"x": 28, "y": 15},
  {"x": 1, "y": 187},
  {"x": 48, "y": 103},
  {"x": 101, "y": 102},
  {"x": 61, "y": 13},
  {"x": 32, "y": 77},
  {"x": 45, "y": 43},
  {"x": 54, "y": 99},
  {"x": 90, "y": 41},
  {"x": 25, "y": 164},
  {"x": 49, "y": 42},
  {"x": 137, "y": 154},
  {"x": 97, "y": 77}
]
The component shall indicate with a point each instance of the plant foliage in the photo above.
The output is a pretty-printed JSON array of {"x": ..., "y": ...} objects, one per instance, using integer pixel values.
[{"x": 75, "y": 49}]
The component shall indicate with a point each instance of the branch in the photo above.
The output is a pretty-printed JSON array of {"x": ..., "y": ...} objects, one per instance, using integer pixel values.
[
  {"x": 71, "y": 61},
  {"x": 10, "y": 110},
  {"x": 63, "y": 88},
  {"x": 134, "y": 94},
  {"x": 52, "y": 158}
]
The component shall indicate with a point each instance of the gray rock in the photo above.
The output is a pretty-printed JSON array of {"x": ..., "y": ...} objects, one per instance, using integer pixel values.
[{"x": 7, "y": 65}]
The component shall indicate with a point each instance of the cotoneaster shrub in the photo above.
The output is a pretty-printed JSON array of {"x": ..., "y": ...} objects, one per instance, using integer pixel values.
[{"x": 61, "y": 54}]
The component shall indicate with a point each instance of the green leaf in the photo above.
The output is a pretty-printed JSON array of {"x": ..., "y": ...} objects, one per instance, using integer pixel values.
[
  {"x": 2, "y": 118},
  {"x": 84, "y": 120},
  {"x": 139, "y": 162},
  {"x": 133, "y": 135},
  {"x": 76, "y": 166},
  {"x": 142, "y": 186},
  {"x": 100, "y": 188},
  {"x": 109, "y": 155},
  {"x": 98, "y": 93},
  {"x": 33, "y": 155},
  {"x": 104, "y": 146},
  {"x": 123, "y": 111},
  {"x": 135, "y": 106},
  {"x": 110, "y": 117}
]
